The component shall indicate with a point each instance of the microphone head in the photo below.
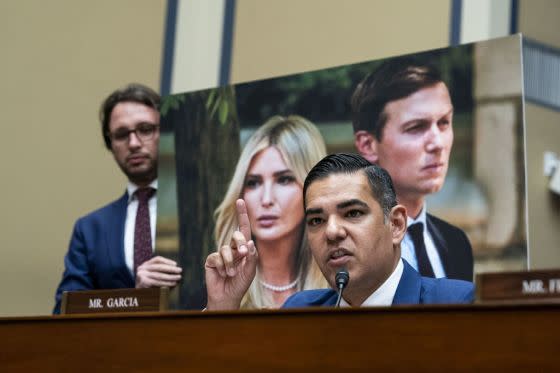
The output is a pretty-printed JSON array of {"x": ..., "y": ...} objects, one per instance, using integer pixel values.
[{"x": 342, "y": 277}]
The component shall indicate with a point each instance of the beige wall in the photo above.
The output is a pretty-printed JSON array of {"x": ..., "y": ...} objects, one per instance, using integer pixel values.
[
  {"x": 539, "y": 20},
  {"x": 59, "y": 60},
  {"x": 281, "y": 37}
]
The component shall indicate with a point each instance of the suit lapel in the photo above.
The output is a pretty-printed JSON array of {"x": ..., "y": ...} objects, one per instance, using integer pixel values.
[
  {"x": 408, "y": 291},
  {"x": 440, "y": 243},
  {"x": 115, "y": 239},
  {"x": 331, "y": 301}
]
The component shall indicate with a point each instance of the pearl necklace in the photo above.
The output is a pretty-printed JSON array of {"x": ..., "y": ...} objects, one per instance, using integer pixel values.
[{"x": 279, "y": 289}]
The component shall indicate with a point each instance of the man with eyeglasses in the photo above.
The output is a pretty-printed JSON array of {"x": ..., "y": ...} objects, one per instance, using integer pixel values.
[{"x": 113, "y": 247}]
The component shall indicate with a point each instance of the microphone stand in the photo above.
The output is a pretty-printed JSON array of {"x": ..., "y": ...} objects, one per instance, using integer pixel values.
[{"x": 342, "y": 278}]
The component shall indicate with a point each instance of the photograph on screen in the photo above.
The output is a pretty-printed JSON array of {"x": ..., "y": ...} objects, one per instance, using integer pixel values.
[{"x": 440, "y": 122}]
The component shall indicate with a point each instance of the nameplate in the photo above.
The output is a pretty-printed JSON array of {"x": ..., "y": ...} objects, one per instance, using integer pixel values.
[
  {"x": 115, "y": 300},
  {"x": 518, "y": 286}
]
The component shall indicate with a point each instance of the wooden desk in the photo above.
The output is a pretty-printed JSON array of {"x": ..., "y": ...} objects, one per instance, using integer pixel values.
[{"x": 431, "y": 338}]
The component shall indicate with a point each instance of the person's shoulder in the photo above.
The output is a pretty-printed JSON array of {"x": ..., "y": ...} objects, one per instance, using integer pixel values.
[
  {"x": 442, "y": 224},
  {"x": 109, "y": 209},
  {"x": 444, "y": 290},
  {"x": 311, "y": 298}
]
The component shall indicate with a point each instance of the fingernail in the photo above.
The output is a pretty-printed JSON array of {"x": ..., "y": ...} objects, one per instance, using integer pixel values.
[
  {"x": 231, "y": 272},
  {"x": 242, "y": 249}
]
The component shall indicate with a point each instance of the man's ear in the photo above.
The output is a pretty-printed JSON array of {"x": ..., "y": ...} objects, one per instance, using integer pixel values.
[
  {"x": 397, "y": 218},
  {"x": 366, "y": 145}
]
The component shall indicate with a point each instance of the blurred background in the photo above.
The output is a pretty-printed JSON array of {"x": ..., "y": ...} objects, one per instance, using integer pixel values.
[{"x": 62, "y": 58}]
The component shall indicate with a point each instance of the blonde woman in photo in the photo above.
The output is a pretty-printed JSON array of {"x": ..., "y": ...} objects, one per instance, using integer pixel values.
[{"x": 269, "y": 178}]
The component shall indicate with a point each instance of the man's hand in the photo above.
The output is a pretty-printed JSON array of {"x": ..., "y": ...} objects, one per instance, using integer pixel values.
[
  {"x": 231, "y": 270},
  {"x": 158, "y": 272}
]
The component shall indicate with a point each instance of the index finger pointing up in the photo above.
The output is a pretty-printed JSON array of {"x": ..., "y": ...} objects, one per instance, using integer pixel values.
[{"x": 243, "y": 219}]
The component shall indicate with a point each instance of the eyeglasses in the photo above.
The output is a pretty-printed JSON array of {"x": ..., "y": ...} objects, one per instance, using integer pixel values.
[{"x": 144, "y": 131}]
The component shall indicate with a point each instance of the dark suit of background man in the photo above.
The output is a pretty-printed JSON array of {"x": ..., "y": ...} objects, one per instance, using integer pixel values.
[
  {"x": 353, "y": 222},
  {"x": 112, "y": 247},
  {"x": 403, "y": 121}
]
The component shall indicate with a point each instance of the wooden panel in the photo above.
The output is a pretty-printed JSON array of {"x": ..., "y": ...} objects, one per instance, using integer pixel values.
[
  {"x": 521, "y": 285},
  {"x": 458, "y": 338},
  {"x": 115, "y": 300}
]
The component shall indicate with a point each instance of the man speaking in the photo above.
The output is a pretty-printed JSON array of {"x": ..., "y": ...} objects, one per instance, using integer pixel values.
[{"x": 353, "y": 223}]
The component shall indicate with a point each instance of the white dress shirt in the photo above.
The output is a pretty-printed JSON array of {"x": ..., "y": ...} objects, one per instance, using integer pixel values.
[
  {"x": 384, "y": 294},
  {"x": 407, "y": 246},
  {"x": 130, "y": 222}
]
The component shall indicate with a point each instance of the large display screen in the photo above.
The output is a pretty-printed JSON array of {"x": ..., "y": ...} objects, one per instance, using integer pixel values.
[{"x": 470, "y": 176}]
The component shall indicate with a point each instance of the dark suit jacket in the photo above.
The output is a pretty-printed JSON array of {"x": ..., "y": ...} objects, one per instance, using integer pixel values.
[
  {"x": 454, "y": 248},
  {"x": 95, "y": 258},
  {"x": 412, "y": 289}
]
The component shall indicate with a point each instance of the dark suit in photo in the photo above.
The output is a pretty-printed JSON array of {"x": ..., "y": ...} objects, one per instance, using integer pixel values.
[{"x": 453, "y": 247}]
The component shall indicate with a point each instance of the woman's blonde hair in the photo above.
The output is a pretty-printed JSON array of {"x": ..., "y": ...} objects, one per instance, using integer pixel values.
[{"x": 301, "y": 146}]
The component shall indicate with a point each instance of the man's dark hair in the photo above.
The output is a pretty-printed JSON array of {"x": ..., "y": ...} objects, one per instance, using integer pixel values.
[
  {"x": 380, "y": 182},
  {"x": 395, "y": 79},
  {"x": 131, "y": 93}
]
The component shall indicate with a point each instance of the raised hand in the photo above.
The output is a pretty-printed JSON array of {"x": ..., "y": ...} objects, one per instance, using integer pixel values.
[{"x": 231, "y": 270}]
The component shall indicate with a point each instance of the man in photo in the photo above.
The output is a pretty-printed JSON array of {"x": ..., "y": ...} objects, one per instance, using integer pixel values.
[{"x": 403, "y": 121}]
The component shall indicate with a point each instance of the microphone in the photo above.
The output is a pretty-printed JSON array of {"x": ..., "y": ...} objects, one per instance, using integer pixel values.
[{"x": 342, "y": 278}]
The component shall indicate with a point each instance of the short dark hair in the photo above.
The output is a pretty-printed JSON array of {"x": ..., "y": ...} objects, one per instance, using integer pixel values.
[
  {"x": 380, "y": 182},
  {"x": 133, "y": 92},
  {"x": 395, "y": 79}
]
